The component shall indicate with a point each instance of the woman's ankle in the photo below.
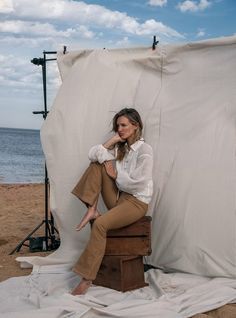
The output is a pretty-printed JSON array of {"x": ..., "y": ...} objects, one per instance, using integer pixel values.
[
  {"x": 93, "y": 211},
  {"x": 82, "y": 288}
]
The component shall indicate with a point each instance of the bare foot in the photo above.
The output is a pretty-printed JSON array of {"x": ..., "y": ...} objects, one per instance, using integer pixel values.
[
  {"x": 90, "y": 214},
  {"x": 82, "y": 287}
]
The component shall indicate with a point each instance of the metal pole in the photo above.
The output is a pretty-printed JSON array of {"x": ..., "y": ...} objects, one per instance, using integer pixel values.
[{"x": 44, "y": 76}]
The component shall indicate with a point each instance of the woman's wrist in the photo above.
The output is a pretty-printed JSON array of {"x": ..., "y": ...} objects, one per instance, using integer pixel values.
[{"x": 110, "y": 143}]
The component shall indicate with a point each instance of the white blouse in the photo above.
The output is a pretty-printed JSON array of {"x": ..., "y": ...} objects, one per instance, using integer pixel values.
[{"x": 134, "y": 172}]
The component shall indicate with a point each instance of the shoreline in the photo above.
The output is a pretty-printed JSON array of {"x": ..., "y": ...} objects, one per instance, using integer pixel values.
[{"x": 20, "y": 183}]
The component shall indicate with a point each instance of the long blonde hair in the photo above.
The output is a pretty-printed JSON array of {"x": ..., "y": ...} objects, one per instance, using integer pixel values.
[{"x": 134, "y": 117}]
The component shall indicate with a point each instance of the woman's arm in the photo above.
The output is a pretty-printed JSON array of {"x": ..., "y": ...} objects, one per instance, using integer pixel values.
[
  {"x": 105, "y": 152},
  {"x": 110, "y": 143}
]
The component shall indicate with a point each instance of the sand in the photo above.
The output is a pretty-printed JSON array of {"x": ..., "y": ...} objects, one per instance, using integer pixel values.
[{"x": 21, "y": 210}]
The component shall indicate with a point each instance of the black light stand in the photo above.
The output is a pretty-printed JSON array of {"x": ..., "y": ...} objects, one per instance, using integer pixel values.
[{"x": 49, "y": 241}]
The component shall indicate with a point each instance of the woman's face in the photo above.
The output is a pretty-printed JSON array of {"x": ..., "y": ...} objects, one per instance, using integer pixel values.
[{"x": 125, "y": 128}]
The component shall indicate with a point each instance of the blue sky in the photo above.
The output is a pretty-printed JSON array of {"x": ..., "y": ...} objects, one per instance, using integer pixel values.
[{"x": 28, "y": 27}]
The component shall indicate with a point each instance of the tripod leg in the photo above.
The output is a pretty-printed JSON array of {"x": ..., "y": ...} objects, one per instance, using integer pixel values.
[{"x": 18, "y": 247}]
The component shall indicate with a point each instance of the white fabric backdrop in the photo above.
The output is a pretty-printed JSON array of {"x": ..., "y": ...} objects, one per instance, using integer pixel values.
[{"x": 186, "y": 95}]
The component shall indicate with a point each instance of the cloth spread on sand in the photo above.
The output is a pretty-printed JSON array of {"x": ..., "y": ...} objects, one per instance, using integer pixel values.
[{"x": 47, "y": 294}]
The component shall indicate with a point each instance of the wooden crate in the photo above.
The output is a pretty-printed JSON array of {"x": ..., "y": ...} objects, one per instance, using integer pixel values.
[
  {"x": 122, "y": 266},
  {"x": 134, "y": 239},
  {"x": 142, "y": 227},
  {"x": 122, "y": 273}
]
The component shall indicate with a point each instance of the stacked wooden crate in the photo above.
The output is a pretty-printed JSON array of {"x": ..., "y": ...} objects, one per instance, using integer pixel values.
[{"x": 122, "y": 266}]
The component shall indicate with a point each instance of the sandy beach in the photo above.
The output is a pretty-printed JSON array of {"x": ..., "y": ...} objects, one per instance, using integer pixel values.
[{"x": 21, "y": 210}]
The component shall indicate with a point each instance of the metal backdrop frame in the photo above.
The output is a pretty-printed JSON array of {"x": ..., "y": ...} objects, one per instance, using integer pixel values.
[{"x": 49, "y": 241}]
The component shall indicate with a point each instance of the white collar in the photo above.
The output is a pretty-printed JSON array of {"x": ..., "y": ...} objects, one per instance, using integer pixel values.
[{"x": 135, "y": 146}]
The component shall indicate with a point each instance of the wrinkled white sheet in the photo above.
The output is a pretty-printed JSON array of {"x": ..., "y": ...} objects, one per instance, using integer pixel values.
[
  {"x": 46, "y": 294},
  {"x": 187, "y": 98},
  {"x": 186, "y": 95}
]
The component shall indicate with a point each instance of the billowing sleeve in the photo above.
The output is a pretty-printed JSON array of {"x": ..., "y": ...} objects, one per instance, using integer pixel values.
[
  {"x": 140, "y": 179},
  {"x": 100, "y": 153}
]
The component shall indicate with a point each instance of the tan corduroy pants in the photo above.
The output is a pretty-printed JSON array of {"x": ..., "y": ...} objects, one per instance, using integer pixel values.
[{"x": 122, "y": 211}]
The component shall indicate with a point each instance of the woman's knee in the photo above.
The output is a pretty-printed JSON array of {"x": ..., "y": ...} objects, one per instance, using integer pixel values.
[{"x": 95, "y": 165}]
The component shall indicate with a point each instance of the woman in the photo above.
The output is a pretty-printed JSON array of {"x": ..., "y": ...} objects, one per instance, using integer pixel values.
[{"x": 121, "y": 170}]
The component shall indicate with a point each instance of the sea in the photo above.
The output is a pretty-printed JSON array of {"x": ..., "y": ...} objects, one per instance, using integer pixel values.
[{"x": 21, "y": 156}]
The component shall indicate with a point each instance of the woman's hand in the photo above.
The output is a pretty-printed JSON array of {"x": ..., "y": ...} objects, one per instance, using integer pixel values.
[
  {"x": 117, "y": 138},
  {"x": 111, "y": 171},
  {"x": 110, "y": 143}
]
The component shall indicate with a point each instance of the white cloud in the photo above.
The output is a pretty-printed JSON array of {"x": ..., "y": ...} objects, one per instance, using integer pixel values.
[
  {"x": 26, "y": 27},
  {"x": 124, "y": 42},
  {"x": 15, "y": 72},
  {"x": 85, "y": 32},
  {"x": 203, "y": 4},
  {"x": 193, "y": 6},
  {"x": 37, "y": 42},
  {"x": 80, "y": 13},
  {"x": 201, "y": 33},
  {"x": 151, "y": 27},
  {"x": 21, "y": 74},
  {"x": 158, "y": 3},
  {"x": 42, "y": 29},
  {"x": 6, "y": 6}
]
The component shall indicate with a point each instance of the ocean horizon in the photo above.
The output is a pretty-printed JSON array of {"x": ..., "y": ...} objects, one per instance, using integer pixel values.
[{"x": 21, "y": 156}]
